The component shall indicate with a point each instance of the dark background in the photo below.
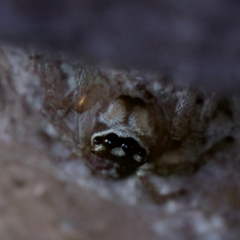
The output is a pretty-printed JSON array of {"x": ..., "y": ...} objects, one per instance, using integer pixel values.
[{"x": 195, "y": 41}]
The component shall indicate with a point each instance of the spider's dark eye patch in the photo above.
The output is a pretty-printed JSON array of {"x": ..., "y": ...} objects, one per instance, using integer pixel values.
[
  {"x": 126, "y": 153},
  {"x": 112, "y": 141},
  {"x": 129, "y": 145},
  {"x": 142, "y": 152},
  {"x": 97, "y": 140}
]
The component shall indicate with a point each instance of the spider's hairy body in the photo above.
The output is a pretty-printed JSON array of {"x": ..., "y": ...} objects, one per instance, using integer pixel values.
[{"x": 120, "y": 120}]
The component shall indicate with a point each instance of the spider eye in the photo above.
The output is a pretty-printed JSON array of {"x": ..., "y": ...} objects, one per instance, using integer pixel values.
[
  {"x": 125, "y": 152},
  {"x": 129, "y": 145},
  {"x": 97, "y": 140},
  {"x": 112, "y": 141},
  {"x": 132, "y": 148}
]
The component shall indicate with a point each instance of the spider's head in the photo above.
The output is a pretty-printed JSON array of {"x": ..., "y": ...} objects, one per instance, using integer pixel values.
[
  {"x": 114, "y": 146},
  {"x": 125, "y": 153},
  {"x": 120, "y": 140}
]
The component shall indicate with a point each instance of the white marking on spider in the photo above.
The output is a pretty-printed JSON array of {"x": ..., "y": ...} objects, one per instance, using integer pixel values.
[
  {"x": 137, "y": 158},
  {"x": 118, "y": 152},
  {"x": 99, "y": 148}
]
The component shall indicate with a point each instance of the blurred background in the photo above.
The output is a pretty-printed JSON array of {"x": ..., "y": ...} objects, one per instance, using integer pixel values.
[{"x": 195, "y": 41}]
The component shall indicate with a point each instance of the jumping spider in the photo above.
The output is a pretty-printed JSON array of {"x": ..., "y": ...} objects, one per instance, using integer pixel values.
[{"x": 122, "y": 121}]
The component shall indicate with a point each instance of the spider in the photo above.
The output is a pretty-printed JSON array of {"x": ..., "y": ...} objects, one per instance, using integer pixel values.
[{"x": 122, "y": 122}]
